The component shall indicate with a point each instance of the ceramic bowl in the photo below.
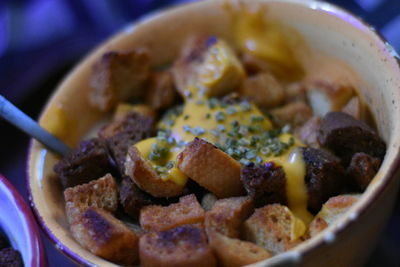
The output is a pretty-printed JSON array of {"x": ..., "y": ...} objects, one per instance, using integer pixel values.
[
  {"x": 333, "y": 37},
  {"x": 18, "y": 224}
]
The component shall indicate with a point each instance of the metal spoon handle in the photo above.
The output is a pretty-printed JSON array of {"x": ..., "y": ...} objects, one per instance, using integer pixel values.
[{"x": 22, "y": 121}]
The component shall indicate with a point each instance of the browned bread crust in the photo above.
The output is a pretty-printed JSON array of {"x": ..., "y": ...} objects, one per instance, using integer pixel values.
[
  {"x": 178, "y": 247},
  {"x": 233, "y": 252},
  {"x": 211, "y": 168},
  {"x": 118, "y": 77},
  {"x": 159, "y": 218},
  {"x": 105, "y": 236},
  {"x": 263, "y": 90},
  {"x": 161, "y": 91},
  {"x": 227, "y": 216},
  {"x": 132, "y": 198},
  {"x": 101, "y": 193},
  {"x": 87, "y": 162},
  {"x": 332, "y": 210},
  {"x": 294, "y": 113},
  {"x": 146, "y": 178},
  {"x": 271, "y": 228},
  {"x": 122, "y": 133},
  {"x": 264, "y": 183}
]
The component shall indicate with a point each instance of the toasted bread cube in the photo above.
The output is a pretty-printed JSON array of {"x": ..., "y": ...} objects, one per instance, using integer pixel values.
[
  {"x": 209, "y": 63},
  {"x": 233, "y": 252},
  {"x": 124, "y": 108},
  {"x": 146, "y": 178},
  {"x": 118, "y": 77},
  {"x": 275, "y": 228},
  {"x": 105, "y": 236},
  {"x": 325, "y": 96},
  {"x": 295, "y": 114},
  {"x": 354, "y": 108},
  {"x": 296, "y": 92},
  {"x": 227, "y": 215},
  {"x": 101, "y": 193},
  {"x": 208, "y": 201},
  {"x": 333, "y": 209},
  {"x": 264, "y": 90},
  {"x": 87, "y": 162},
  {"x": 178, "y": 247},
  {"x": 159, "y": 218},
  {"x": 121, "y": 134},
  {"x": 308, "y": 132},
  {"x": 211, "y": 168},
  {"x": 161, "y": 91}
]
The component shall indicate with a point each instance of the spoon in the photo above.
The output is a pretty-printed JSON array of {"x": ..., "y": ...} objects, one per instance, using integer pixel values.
[{"x": 22, "y": 121}]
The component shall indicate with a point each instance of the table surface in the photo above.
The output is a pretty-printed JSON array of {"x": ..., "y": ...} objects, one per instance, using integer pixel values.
[{"x": 30, "y": 71}]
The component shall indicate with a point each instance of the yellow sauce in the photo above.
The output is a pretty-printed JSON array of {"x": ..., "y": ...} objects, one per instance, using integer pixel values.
[{"x": 199, "y": 118}]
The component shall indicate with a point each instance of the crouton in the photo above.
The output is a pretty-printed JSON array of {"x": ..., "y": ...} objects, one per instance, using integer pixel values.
[
  {"x": 275, "y": 228},
  {"x": 101, "y": 193},
  {"x": 232, "y": 252},
  {"x": 161, "y": 91},
  {"x": 324, "y": 176},
  {"x": 308, "y": 132},
  {"x": 294, "y": 114},
  {"x": 333, "y": 209},
  {"x": 124, "y": 108},
  {"x": 121, "y": 134},
  {"x": 181, "y": 246},
  {"x": 10, "y": 257},
  {"x": 227, "y": 215},
  {"x": 211, "y": 168},
  {"x": 263, "y": 90},
  {"x": 362, "y": 170},
  {"x": 208, "y": 201},
  {"x": 105, "y": 236},
  {"x": 146, "y": 178},
  {"x": 264, "y": 183},
  {"x": 159, "y": 218},
  {"x": 324, "y": 96},
  {"x": 209, "y": 63},
  {"x": 296, "y": 92},
  {"x": 345, "y": 136},
  {"x": 132, "y": 198},
  {"x": 118, "y": 77},
  {"x": 354, "y": 108},
  {"x": 87, "y": 162}
]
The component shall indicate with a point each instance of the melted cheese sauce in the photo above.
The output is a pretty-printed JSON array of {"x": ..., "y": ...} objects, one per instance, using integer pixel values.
[{"x": 201, "y": 118}]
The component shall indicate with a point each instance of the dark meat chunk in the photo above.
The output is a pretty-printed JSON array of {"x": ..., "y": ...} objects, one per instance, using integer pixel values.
[
  {"x": 3, "y": 242},
  {"x": 118, "y": 77},
  {"x": 265, "y": 184},
  {"x": 10, "y": 257},
  {"x": 88, "y": 162},
  {"x": 345, "y": 136},
  {"x": 324, "y": 176},
  {"x": 121, "y": 134},
  {"x": 362, "y": 169},
  {"x": 133, "y": 199}
]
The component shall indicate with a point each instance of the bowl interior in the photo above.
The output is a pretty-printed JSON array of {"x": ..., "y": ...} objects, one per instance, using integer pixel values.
[
  {"x": 351, "y": 52},
  {"x": 18, "y": 224}
]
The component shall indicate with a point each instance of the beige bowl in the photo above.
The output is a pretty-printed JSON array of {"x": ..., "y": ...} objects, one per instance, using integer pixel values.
[{"x": 336, "y": 44}]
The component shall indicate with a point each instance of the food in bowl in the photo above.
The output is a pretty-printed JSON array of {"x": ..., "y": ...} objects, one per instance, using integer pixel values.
[
  {"x": 8, "y": 255},
  {"x": 227, "y": 155}
]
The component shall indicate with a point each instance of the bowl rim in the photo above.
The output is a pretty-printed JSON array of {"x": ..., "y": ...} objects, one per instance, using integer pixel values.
[
  {"x": 291, "y": 256},
  {"x": 34, "y": 242}
]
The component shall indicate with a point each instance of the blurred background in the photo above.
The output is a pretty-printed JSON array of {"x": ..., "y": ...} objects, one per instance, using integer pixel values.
[{"x": 40, "y": 40}]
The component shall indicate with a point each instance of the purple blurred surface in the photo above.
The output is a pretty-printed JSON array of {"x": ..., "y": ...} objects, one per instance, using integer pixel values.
[{"x": 40, "y": 40}]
